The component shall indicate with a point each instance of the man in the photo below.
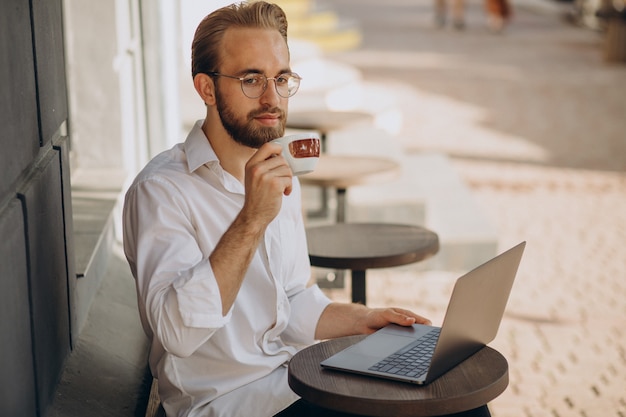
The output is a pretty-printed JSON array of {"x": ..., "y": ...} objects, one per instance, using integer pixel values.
[
  {"x": 499, "y": 13},
  {"x": 458, "y": 13},
  {"x": 214, "y": 235}
]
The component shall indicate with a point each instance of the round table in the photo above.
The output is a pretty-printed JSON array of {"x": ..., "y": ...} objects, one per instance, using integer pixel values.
[
  {"x": 362, "y": 246},
  {"x": 343, "y": 171},
  {"x": 325, "y": 120},
  {"x": 471, "y": 384}
]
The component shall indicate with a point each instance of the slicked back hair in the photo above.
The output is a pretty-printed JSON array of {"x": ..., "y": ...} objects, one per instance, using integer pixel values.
[{"x": 205, "y": 48}]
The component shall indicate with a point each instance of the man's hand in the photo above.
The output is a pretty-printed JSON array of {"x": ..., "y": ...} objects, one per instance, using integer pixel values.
[
  {"x": 378, "y": 318},
  {"x": 339, "y": 319},
  {"x": 268, "y": 178}
]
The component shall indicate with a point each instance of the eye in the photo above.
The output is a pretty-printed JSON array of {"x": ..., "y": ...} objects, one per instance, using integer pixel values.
[
  {"x": 253, "y": 79},
  {"x": 283, "y": 79}
]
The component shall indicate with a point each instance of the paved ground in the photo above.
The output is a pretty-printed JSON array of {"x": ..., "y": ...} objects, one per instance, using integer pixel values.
[{"x": 535, "y": 123}]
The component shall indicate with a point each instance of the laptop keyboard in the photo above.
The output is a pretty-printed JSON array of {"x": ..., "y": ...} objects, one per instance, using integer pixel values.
[{"x": 412, "y": 362}]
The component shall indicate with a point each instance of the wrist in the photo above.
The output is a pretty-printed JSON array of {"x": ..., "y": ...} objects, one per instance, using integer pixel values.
[
  {"x": 361, "y": 318},
  {"x": 249, "y": 224}
]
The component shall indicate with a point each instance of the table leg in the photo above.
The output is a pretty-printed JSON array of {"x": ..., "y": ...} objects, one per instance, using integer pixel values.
[
  {"x": 341, "y": 205},
  {"x": 324, "y": 191},
  {"x": 358, "y": 287},
  {"x": 338, "y": 281},
  {"x": 323, "y": 210}
]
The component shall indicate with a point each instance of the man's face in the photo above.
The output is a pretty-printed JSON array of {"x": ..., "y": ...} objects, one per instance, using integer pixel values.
[{"x": 252, "y": 122}]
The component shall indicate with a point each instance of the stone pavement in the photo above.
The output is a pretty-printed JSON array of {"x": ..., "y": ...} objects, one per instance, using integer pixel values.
[{"x": 534, "y": 122}]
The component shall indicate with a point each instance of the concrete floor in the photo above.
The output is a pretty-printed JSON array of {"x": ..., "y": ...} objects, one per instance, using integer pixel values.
[{"x": 106, "y": 375}]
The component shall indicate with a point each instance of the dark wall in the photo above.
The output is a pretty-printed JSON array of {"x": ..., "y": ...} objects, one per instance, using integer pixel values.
[{"x": 36, "y": 251}]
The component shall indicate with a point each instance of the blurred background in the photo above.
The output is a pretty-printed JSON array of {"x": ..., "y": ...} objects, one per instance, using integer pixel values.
[{"x": 502, "y": 134}]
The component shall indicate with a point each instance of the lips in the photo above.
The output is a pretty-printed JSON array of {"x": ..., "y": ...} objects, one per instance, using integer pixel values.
[{"x": 268, "y": 118}]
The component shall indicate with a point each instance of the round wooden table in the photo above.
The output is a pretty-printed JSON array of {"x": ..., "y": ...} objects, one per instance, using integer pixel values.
[
  {"x": 362, "y": 246},
  {"x": 473, "y": 383},
  {"x": 325, "y": 120},
  {"x": 343, "y": 171}
]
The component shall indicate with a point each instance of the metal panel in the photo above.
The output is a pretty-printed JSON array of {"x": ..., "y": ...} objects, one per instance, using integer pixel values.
[
  {"x": 17, "y": 375},
  {"x": 43, "y": 207},
  {"x": 19, "y": 140},
  {"x": 49, "y": 50},
  {"x": 62, "y": 146}
]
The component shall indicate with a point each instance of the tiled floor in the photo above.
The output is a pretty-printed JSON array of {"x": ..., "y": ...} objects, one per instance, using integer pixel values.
[
  {"x": 564, "y": 332},
  {"x": 535, "y": 122}
]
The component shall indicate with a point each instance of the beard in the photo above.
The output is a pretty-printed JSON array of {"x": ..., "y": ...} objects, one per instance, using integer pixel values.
[{"x": 244, "y": 132}]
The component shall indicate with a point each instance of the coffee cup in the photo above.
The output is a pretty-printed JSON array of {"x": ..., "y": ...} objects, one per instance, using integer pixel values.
[{"x": 301, "y": 150}]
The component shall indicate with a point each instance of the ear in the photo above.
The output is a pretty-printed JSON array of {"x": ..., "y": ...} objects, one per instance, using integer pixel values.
[{"x": 205, "y": 87}]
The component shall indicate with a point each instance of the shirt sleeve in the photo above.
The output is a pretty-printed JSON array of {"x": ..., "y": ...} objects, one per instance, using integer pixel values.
[
  {"x": 306, "y": 304},
  {"x": 306, "y": 308},
  {"x": 174, "y": 279}
]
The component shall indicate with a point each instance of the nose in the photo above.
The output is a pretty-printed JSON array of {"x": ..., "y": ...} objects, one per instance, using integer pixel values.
[{"x": 270, "y": 95}]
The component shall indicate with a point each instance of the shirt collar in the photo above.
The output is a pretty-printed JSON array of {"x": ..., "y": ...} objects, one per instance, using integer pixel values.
[
  {"x": 199, "y": 152},
  {"x": 198, "y": 149}
]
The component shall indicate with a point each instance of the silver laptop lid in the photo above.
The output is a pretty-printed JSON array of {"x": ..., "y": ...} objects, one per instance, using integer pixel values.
[{"x": 475, "y": 310}]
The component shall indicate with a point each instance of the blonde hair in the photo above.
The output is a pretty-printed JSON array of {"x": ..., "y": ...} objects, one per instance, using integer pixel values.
[{"x": 205, "y": 47}]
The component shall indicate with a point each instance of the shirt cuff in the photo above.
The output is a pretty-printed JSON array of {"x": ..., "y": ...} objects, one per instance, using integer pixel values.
[
  {"x": 306, "y": 308},
  {"x": 199, "y": 299}
]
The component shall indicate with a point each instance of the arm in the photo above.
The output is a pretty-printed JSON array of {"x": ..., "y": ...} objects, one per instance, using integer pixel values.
[
  {"x": 179, "y": 301},
  {"x": 267, "y": 178},
  {"x": 340, "y": 319},
  {"x": 188, "y": 283}
]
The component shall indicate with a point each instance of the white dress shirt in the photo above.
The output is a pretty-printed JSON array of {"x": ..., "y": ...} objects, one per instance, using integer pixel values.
[{"x": 175, "y": 213}]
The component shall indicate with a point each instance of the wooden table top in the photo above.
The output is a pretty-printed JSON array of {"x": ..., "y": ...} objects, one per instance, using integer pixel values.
[
  {"x": 473, "y": 383},
  {"x": 325, "y": 120},
  {"x": 361, "y": 246},
  {"x": 343, "y": 171}
]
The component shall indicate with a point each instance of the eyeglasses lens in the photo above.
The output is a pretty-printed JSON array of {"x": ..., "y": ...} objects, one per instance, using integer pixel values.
[{"x": 254, "y": 85}]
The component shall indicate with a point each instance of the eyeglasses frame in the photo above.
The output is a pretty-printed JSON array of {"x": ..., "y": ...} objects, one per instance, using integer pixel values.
[{"x": 265, "y": 84}]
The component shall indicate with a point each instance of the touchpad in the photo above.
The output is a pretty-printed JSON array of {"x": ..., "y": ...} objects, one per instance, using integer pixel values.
[
  {"x": 415, "y": 331},
  {"x": 380, "y": 344}
]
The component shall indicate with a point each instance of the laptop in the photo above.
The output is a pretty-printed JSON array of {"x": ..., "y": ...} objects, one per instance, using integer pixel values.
[{"x": 420, "y": 354}]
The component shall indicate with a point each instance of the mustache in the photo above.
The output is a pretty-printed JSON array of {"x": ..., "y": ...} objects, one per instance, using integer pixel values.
[{"x": 274, "y": 110}]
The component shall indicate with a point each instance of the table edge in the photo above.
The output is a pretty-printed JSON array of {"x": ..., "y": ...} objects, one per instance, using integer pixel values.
[{"x": 411, "y": 408}]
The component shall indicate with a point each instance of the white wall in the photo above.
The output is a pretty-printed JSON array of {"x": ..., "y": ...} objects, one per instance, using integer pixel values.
[{"x": 191, "y": 13}]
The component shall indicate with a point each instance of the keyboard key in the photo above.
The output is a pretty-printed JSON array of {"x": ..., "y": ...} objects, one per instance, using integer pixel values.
[{"x": 410, "y": 362}]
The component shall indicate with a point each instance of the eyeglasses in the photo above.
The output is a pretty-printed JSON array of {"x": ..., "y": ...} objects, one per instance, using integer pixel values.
[{"x": 254, "y": 85}]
